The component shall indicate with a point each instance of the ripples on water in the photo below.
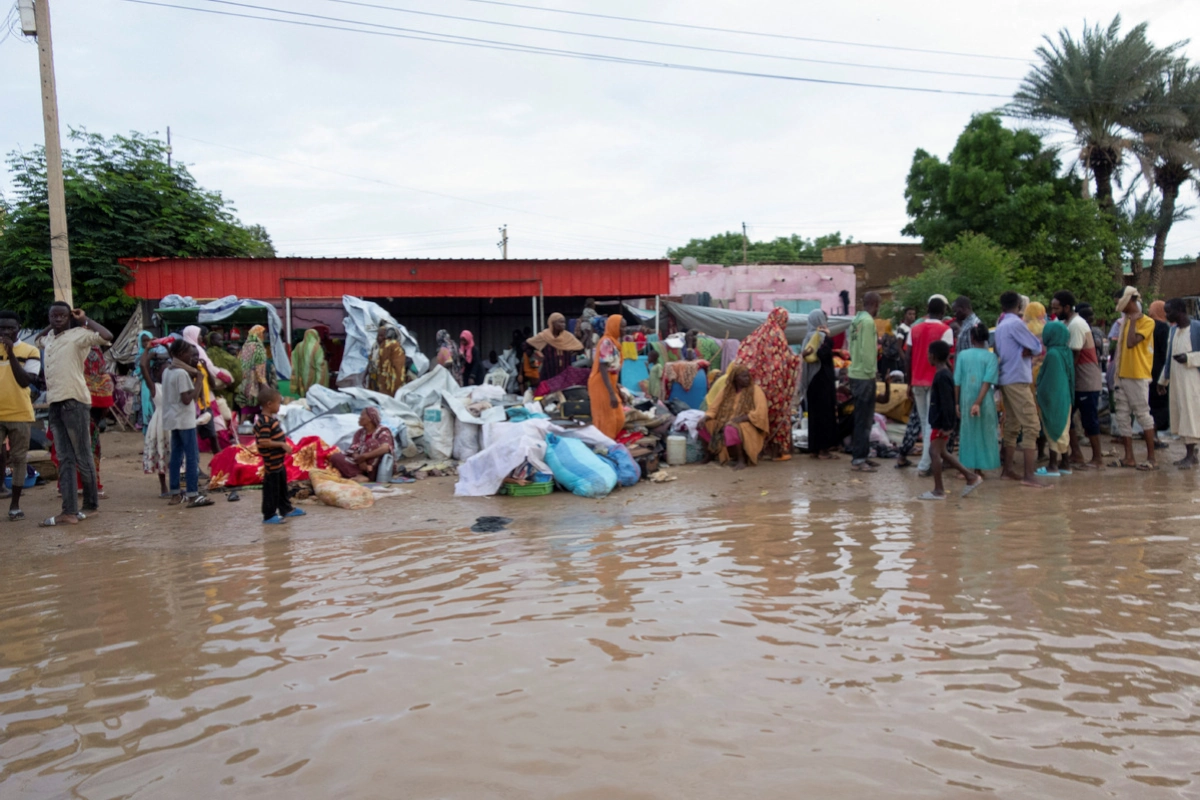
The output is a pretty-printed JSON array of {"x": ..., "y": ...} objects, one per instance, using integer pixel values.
[{"x": 786, "y": 650}]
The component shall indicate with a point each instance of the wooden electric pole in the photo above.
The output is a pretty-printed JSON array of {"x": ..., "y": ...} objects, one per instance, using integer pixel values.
[
  {"x": 60, "y": 252},
  {"x": 744, "y": 242}
]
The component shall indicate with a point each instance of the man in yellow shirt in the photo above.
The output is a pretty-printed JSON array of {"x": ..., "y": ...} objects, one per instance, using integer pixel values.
[
  {"x": 19, "y": 364},
  {"x": 1131, "y": 392}
]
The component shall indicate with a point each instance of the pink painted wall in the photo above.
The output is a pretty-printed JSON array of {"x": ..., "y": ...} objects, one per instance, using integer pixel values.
[{"x": 756, "y": 288}]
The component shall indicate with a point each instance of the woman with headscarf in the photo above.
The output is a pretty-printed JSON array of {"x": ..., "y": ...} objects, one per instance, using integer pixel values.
[
  {"x": 472, "y": 369},
  {"x": 736, "y": 422},
  {"x": 156, "y": 441},
  {"x": 775, "y": 369},
  {"x": 1056, "y": 397},
  {"x": 608, "y": 415},
  {"x": 309, "y": 367},
  {"x": 191, "y": 335},
  {"x": 818, "y": 386},
  {"x": 386, "y": 365},
  {"x": 448, "y": 356},
  {"x": 372, "y": 441},
  {"x": 558, "y": 346},
  {"x": 255, "y": 372},
  {"x": 227, "y": 362}
]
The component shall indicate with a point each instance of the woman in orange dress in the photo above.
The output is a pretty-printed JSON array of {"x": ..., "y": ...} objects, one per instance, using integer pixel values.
[{"x": 604, "y": 385}]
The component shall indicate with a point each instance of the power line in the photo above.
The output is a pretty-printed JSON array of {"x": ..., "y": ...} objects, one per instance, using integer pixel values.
[
  {"x": 748, "y": 33},
  {"x": 668, "y": 44},
  {"x": 412, "y": 188},
  {"x": 512, "y": 47}
]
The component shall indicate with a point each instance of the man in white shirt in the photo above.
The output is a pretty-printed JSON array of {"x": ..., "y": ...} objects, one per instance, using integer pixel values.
[{"x": 70, "y": 338}]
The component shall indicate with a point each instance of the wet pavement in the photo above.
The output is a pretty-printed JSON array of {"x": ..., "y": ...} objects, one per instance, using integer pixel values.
[{"x": 799, "y": 636}]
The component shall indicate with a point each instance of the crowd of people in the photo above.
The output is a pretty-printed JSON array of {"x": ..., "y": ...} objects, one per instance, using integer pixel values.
[{"x": 1036, "y": 385}]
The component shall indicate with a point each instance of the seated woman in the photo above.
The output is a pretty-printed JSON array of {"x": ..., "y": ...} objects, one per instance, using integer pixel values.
[
  {"x": 372, "y": 441},
  {"x": 735, "y": 427}
]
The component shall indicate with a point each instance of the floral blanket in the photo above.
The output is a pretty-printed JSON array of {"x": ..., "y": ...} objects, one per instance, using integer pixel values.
[{"x": 241, "y": 465}]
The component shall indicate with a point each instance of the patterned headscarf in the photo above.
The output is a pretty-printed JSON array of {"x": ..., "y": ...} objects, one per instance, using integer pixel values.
[
  {"x": 374, "y": 415},
  {"x": 775, "y": 369},
  {"x": 730, "y": 404}
]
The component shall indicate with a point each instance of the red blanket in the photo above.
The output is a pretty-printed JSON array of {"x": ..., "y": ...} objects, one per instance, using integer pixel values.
[{"x": 241, "y": 465}]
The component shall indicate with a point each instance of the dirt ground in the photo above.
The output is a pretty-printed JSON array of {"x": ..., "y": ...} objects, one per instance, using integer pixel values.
[{"x": 134, "y": 515}]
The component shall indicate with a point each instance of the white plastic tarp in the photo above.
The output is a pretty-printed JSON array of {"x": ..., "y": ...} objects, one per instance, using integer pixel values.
[
  {"x": 509, "y": 445},
  {"x": 221, "y": 309},
  {"x": 124, "y": 348},
  {"x": 362, "y": 324},
  {"x": 725, "y": 324}
]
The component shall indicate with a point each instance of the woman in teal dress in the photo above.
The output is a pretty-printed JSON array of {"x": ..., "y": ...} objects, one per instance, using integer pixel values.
[{"x": 975, "y": 374}]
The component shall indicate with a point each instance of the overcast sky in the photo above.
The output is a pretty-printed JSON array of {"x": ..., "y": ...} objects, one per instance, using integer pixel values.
[{"x": 350, "y": 144}]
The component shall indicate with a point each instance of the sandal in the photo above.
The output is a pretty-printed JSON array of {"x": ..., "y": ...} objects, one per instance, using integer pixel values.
[
  {"x": 199, "y": 501},
  {"x": 16, "y": 516},
  {"x": 1043, "y": 472},
  {"x": 970, "y": 487},
  {"x": 1147, "y": 466},
  {"x": 176, "y": 499},
  {"x": 932, "y": 496},
  {"x": 52, "y": 522}
]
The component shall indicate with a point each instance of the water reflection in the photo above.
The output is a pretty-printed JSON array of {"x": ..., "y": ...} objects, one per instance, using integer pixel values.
[{"x": 806, "y": 647}]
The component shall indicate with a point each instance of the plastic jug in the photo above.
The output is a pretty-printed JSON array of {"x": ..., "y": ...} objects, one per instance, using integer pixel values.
[{"x": 676, "y": 450}]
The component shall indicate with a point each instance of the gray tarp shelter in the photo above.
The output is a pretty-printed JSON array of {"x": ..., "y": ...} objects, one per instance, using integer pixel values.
[{"x": 722, "y": 323}]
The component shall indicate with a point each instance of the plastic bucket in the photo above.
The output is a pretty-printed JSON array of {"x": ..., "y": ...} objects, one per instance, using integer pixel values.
[{"x": 676, "y": 450}]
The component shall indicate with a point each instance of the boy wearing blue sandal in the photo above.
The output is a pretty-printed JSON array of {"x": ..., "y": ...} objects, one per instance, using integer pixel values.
[{"x": 273, "y": 447}]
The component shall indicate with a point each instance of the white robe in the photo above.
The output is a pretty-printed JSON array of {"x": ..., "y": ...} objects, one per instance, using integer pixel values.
[{"x": 1185, "y": 389}]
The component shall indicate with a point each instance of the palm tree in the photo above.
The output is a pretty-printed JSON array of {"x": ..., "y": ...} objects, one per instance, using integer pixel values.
[
  {"x": 1170, "y": 153},
  {"x": 1099, "y": 86}
]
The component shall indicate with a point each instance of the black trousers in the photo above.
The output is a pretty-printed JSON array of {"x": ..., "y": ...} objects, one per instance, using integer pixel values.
[
  {"x": 864, "y": 392},
  {"x": 275, "y": 494}
]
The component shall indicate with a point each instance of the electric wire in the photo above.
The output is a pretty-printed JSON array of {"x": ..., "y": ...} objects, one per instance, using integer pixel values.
[
  {"x": 391, "y": 32},
  {"x": 724, "y": 51}
]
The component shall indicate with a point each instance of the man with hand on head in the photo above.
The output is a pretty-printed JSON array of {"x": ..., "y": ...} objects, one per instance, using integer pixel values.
[{"x": 67, "y": 342}]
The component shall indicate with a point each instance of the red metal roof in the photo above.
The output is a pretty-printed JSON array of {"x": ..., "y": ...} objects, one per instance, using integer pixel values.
[{"x": 268, "y": 278}]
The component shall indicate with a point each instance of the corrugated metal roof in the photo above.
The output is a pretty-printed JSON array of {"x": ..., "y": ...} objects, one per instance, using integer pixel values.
[{"x": 265, "y": 278}]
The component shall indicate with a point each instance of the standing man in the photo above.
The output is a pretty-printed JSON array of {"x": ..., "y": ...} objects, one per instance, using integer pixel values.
[
  {"x": 1015, "y": 346},
  {"x": 864, "y": 354},
  {"x": 967, "y": 320},
  {"x": 1131, "y": 389},
  {"x": 921, "y": 372},
  {"x": 19, "y": 365},
  {"x": 1088, "y": 378},
  {"x": 1182, "y": 371},
  {"x": 67, "y": 344}
]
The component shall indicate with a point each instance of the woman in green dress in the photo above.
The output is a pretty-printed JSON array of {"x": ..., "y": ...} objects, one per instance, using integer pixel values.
[{"x": 976, "y": 372}]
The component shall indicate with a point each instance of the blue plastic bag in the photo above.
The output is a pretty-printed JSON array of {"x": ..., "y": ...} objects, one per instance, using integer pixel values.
[
  {"x": 577, "y": 469},
  {"x": 628, "y": 471}
]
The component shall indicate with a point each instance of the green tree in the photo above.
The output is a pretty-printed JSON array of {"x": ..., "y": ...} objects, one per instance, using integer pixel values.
[
  {"x": 1099, "y": 85},
  {"x": 971, "y": 265},
  {"x": 1006, "y": 185},
  {"x": 726, "y": 248},
  {"x": 123, "y": 200},
  {"x": 1170, "y": 150}
]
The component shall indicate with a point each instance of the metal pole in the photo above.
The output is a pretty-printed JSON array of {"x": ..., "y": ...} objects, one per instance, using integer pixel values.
[
  {"x": 542, "y": 297},
  {"x": 287, "y": 319},
  {"x": 657, "y": 314},
  {"x": 60, "y": 251},
  {"x": 535, "y": 314}
]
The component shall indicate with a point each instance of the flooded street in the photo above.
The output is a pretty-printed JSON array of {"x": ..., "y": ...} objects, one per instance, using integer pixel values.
[{"x": 787, "y": 645}]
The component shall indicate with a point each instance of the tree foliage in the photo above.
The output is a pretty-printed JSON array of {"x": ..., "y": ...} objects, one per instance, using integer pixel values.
[
  {"x": 1006, "y": 185},
  {"x": 123, "y": 200},
  {"x": 726, "y": 248},
  {"x": 971, "y": 265}
]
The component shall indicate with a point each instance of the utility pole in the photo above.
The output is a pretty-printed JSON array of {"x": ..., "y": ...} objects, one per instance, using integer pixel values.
[
  {"x": 60, "y": 252},
  {"x": 168, "y": 147},
  {"x": 744, "y": 243},
  {"x": 503, "y": 243}
]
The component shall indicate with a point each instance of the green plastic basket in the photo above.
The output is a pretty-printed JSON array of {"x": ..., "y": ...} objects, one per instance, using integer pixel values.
[{"x": 529, "y": 490}]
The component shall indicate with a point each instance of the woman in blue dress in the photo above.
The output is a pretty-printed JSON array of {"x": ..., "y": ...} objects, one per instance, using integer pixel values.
[{"x": 976, "y": 372}]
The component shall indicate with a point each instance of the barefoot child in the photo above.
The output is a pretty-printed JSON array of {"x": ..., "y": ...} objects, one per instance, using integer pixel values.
[
  {"x": 943, "y": 420},
  {"x": 273, "y": 447}
]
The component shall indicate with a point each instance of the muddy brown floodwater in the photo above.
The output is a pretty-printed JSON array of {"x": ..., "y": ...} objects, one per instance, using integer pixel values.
[{"x": 798, "y": 634}]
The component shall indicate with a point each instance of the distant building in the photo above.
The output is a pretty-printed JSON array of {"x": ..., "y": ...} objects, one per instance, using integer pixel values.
[
  {"x": 800, "y": 288},
  {"x": 1181, "y": 277},
  {"x": 876, "y": 264}
]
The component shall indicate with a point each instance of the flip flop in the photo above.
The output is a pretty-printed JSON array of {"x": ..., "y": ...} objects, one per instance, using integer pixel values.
[
  {"x": 932, "y": 496},
  {"x": 51, "y": 522},
  {"x": 1147, "y": 466},
  {"x": 1121, "y": 465},
  {"x": 1062, "y": 471},
  {"x": 1042, "y": 472},
  {"x": 199, "y": 501},
  {"x": 275, "y": 520},
  {"x": 970, "y": 487},
  {"x": 16, "y": 516}
]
